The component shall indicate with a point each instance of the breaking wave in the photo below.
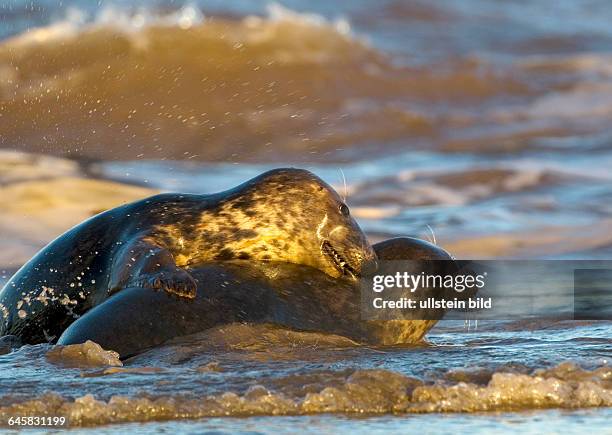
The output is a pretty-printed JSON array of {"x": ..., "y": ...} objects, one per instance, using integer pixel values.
[{"x": 180, "y": 85}]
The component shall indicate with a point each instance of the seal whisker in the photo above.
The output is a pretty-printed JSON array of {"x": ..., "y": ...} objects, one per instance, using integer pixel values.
[
  {"x": 345, "y": 196},
  {"x": 433, "y": 235}
]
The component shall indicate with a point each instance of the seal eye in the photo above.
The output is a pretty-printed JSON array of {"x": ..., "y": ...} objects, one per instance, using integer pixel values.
[{"x": 344, "y": 210}]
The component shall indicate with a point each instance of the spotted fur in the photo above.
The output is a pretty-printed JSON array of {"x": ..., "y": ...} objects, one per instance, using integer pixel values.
[{"x": 284, "y": 215}]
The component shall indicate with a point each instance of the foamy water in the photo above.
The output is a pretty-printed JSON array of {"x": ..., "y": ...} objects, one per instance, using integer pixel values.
[
  {"x": 240, "y": 370},
  {"x": 484, "y": 123}
]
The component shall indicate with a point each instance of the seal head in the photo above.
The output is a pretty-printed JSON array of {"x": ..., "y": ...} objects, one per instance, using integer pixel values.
[{"x": 284, "y": 215}]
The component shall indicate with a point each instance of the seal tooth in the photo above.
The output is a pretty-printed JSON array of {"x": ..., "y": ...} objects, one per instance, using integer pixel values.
[{"x": 338, "y": 259}]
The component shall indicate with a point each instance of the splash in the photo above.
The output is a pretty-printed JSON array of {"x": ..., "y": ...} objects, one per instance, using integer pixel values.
[{"x": 87, "y": 354}]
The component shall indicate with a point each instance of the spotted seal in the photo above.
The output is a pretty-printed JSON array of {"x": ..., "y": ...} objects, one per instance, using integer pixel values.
[{"x": 284, "y": 215}]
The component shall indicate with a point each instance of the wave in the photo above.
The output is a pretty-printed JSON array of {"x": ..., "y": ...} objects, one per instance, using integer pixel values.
[
  {"x": 139, "y": 83},
  {"x": 357, "y": 392}
]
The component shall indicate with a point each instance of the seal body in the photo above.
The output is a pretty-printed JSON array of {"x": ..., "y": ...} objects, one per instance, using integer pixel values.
[
  {"x": 284, "y": 215},
  {"x": 290, "y": 295},
  {"x": 293, "y": 296}
]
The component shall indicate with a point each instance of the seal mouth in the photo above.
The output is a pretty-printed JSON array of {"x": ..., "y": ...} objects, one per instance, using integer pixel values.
[{"x": 338, "y": 260}]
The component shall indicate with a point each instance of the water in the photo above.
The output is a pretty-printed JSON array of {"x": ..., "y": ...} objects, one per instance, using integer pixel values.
[
  {"x": 241, "y": 371},
  {"x": 487, "y": 122},
  {"x": 557, "y": 423}
]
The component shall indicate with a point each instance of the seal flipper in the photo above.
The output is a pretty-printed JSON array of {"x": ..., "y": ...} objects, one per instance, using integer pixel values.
[{"x": 142, "y": 263}]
